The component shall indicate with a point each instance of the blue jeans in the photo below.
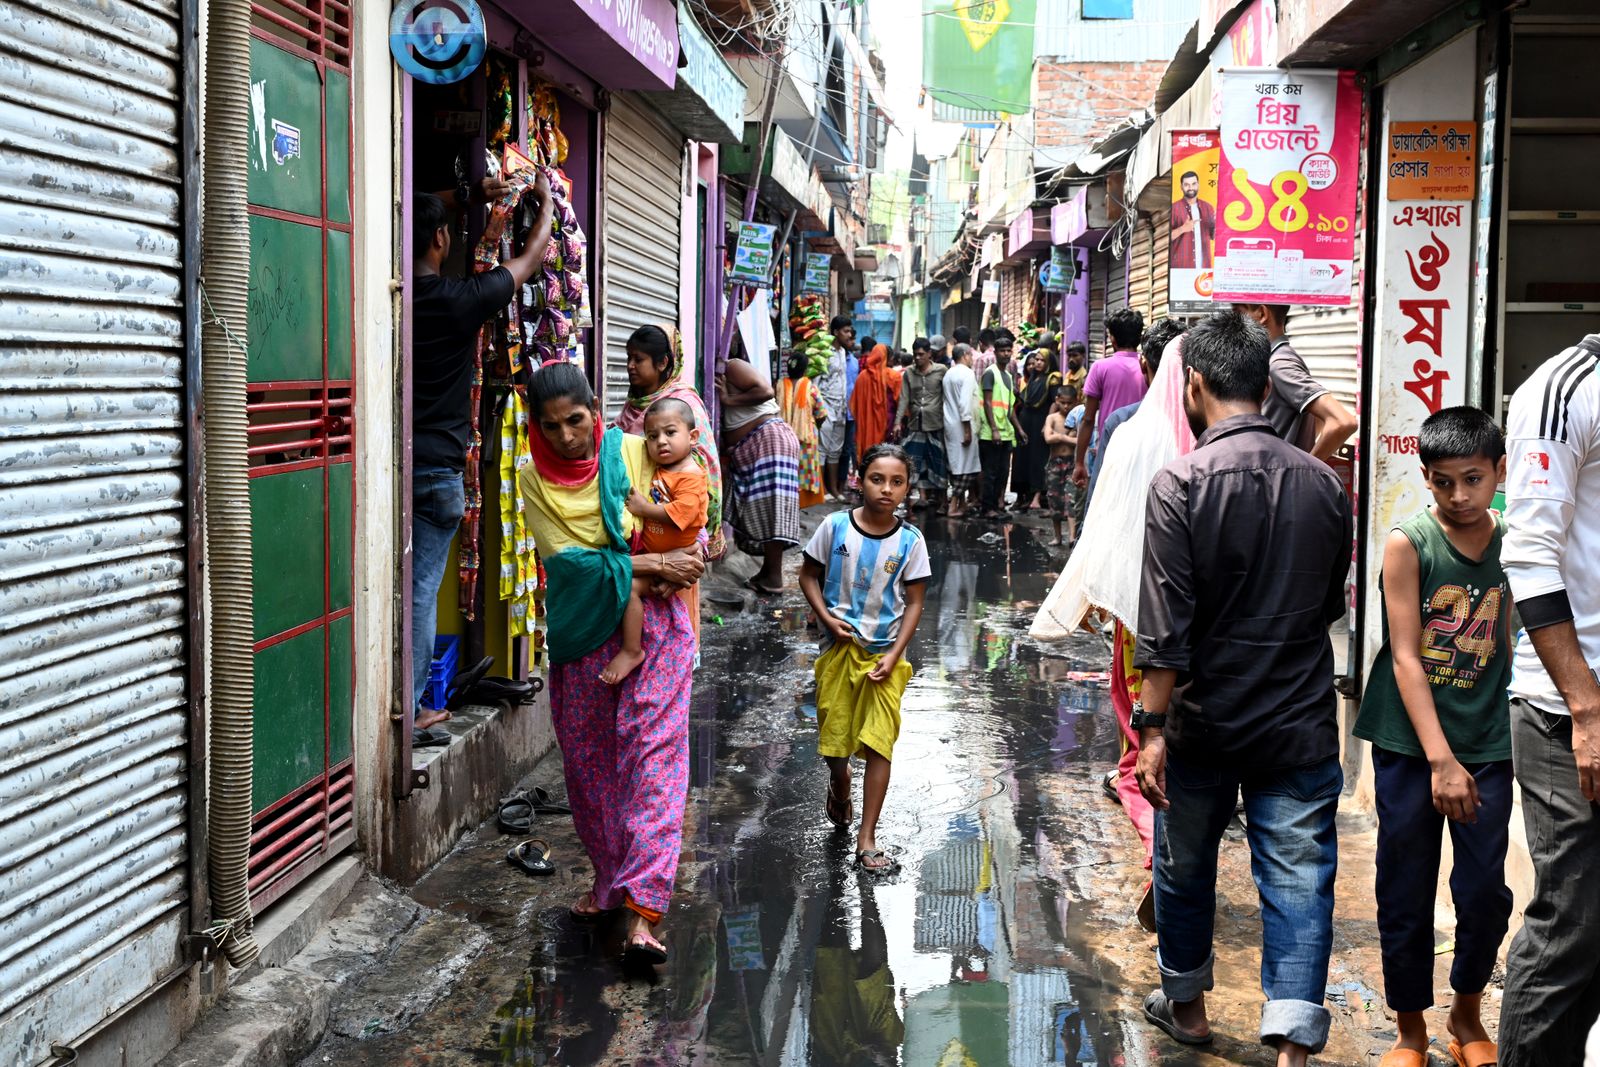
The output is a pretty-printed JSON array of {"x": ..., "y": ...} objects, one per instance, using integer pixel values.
[
  {"x": 438, "y": 500},
  {"x": 1293, "y": 855}
]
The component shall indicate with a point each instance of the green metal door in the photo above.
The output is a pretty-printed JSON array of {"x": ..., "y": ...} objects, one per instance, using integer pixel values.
[{"x": 302, "y": 408}]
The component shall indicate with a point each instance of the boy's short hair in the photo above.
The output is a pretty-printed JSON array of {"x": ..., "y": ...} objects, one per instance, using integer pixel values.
[
  {"x": 671, "y": 405},
  {"x": 1460, "y": 433}
]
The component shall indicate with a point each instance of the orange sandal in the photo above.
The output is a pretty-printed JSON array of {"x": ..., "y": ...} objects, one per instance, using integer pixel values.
[
  {"x": 1404, "y": 1057},
  {"x": 1474, "y": 1053}
]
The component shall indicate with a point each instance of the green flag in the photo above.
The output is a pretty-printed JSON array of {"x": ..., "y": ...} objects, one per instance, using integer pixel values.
[{"x": 979, "y": 53}]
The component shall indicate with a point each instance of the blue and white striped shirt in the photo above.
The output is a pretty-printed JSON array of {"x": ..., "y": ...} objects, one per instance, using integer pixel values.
[{"x": 865, "y": 576}]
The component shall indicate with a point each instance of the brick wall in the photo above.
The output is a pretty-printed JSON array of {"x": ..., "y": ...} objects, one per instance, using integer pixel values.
[{"x": 1075, "y": 104}]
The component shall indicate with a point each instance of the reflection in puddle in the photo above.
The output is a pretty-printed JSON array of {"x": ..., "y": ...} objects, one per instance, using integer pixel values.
[{"x": 785, "y": 955}]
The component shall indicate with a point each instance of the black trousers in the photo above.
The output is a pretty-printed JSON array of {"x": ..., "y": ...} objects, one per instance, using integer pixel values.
[
  {"x": 996, "y": 459},
  {"x": 1552, "y": 993},
  {"x": 1410, "y": 830}
]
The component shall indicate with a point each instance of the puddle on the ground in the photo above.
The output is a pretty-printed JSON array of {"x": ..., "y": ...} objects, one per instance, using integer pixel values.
[{"x": 783, "y": 953}]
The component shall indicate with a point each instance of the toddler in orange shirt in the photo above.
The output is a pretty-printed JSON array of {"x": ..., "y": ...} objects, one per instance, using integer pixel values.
[{"x": 673, "y": 515}]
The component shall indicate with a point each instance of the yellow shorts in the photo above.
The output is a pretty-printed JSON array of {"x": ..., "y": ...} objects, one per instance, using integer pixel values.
[{"x": 854, "y": 713}]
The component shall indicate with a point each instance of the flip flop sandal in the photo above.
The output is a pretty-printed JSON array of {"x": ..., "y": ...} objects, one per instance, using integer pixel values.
[
  {"x": 494, "y": 689},
  {"x": 589, "y": 916},
  {"x": 889, "y": 867},
  {"x": 545, "y": 804},
  {"x": 1403, "y": 1057},
  {"x": 1108, "y": 785},
  {"x": 467, "y": 679},
  {"x": 430, "y": 737},
  {"x": 841, "y": 821},
  {"x": 532, "y": 856},
  {"x": 644, "y": 952},
  {"x": 516, "y": 814},
  {"x": 1158, "y": 1010},
  {"x": 1474, "y": 1053},
  {"x": 761, "y": 590}
]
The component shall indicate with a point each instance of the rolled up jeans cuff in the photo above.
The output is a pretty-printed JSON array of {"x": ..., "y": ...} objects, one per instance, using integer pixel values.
[
  {"x": 1182, "y": 987},
  {"x": 1299, "y": 1021}
]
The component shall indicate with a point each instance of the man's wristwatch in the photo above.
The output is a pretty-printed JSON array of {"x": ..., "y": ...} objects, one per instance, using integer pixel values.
[{"x": 1146, "y": 720}]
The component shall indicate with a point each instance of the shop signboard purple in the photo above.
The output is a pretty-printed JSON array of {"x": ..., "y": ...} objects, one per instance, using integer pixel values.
[{"x": 623, "y": 44}]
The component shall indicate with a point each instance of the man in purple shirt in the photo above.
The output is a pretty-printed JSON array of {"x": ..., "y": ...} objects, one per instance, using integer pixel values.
[{"x": 1114, "y": 382}]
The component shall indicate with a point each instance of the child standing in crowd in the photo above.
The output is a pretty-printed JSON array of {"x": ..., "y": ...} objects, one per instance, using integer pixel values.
[
  {"x": 674, "y": 514},
  {"x": 1061, "y": 434},
  {"x": 1436, "y": 713},
  {"x": 864, "y": 575}
]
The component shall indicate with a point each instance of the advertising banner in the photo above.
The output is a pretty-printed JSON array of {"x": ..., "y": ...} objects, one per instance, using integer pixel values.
[
  {"x": 979, "y": 55},
  {"x": 752, "y": 256},
  {"x": 816, "y": 280},
  {"x": 1196, "y": 158},
  {"x": 1431, "y": 161},
  {"x": 1291, "y": 142}
]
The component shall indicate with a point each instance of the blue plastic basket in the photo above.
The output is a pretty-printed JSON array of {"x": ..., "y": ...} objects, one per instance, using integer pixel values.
[{"x": 442, "y": 671}]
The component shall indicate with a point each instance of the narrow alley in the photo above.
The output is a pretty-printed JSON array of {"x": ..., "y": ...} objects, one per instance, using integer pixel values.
[{"x": 1008, "y": 937}]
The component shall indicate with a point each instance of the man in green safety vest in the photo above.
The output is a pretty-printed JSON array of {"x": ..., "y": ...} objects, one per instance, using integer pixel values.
[{"x": 998, "y": 430}]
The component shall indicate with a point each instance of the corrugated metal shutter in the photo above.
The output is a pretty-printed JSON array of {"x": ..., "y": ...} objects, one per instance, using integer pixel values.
[
  {"x": 1158, "y": 279},
  {"x": 1099, "y": 278},
  {"x": 1140, "y": 252},
  {"x": 1329, "y": 339},
  {"x": 93, "y": 612},
  {"x": 641, "y": 239},
  {"x": 1013, "y": 295}
]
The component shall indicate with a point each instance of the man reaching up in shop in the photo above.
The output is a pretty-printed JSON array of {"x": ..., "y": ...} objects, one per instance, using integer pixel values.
[
  {"x": 1299, "y": 407},
  {"x": 446, "y": 315}
]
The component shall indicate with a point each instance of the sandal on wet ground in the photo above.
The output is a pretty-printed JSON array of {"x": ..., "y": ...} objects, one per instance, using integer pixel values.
[
  {"x": 1158, "y": 1010},
  {"x": 1404, "y": 1057},
  {"x": 1474, "y": 1053},
  {"x": 876, "y": 861},
  {"x": 532, "y": 856},
  {"x": 832, "y": 807},
  {"x": 516, "y": 814},
  {"x": 1108, "y": 785},
  {"x": 517, "y": 810},
  {"x": 644, "y": 950},
  {"x": 588, "y": 909},
  {"x": 761, "y": 590}
]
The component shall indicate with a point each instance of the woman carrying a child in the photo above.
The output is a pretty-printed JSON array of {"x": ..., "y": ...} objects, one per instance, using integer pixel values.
[
  {"x": 655, "y": 372},
  {"x": 624, "y": 747}
]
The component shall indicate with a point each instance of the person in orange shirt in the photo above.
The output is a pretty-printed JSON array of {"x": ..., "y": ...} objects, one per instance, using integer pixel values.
[{"x": 674, "y": 514}]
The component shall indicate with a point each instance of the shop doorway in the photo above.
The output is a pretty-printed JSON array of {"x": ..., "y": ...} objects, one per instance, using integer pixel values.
[
  {"x": 454, "y": 135},
  {"x": 302, "y": 425}
]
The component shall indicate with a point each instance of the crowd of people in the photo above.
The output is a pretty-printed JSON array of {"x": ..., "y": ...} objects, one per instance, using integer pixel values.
[{"x": 1187, "y": 467}]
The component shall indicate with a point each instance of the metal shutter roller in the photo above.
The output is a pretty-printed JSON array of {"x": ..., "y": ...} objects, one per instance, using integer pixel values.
[
  {"x": 93, "y": 611},
  {"x": 639, "y": 246},
  {"x": 1140, "y": 278}
]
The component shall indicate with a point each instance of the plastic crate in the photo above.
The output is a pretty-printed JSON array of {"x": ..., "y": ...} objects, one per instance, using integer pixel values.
[{"x": 442, "y": 671}]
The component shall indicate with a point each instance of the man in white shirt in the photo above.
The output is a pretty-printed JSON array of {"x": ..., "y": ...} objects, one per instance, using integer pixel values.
[
  {"x": 960, "y": 434},
  {"x": 1551, "y": 555}
]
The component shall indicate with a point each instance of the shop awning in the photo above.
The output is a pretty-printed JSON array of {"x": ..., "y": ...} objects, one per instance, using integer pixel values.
[
  {"x": 620, "y": 45},
  {"x": 1028, "y": 233},
  {"x": 1349, "y": 33},
  {"x": 708, "y": 103}
]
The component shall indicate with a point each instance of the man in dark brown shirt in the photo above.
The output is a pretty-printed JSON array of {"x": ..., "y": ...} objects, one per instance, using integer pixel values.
[{"x": 1247, "y": 542}]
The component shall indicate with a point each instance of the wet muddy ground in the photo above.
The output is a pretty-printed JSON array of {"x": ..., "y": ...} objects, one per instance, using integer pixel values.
[{"x": 1008, "y": 936}]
